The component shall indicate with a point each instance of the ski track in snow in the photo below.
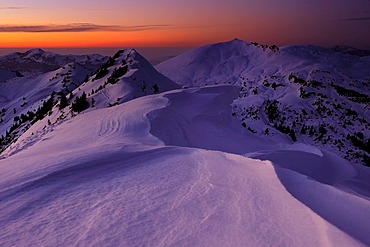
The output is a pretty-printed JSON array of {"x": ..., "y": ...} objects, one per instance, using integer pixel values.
[
  {"x": 109, "y": 126},
  {"x": 127, "y": 183}
]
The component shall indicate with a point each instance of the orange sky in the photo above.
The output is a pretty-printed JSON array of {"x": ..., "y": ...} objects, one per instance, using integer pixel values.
[
  {"x": 167, "y": 37},
  {"x": 165, "y": 23}
]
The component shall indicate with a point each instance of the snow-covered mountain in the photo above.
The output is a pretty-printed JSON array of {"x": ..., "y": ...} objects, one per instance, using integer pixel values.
[
  {"x": 126, "y": 157},
  {"x": 60, "y": 94},
  {"x": 40, "y": 61},
  {"x": 26, "y": 99},
  {"x": 127, "y": 75},
  {"x": 309, "y": 94},
  {"x": 227, "y": 62},
  {"x": 220, "y": 63}
]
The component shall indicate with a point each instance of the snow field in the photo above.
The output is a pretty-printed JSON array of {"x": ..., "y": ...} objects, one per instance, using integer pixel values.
[{"x": 115, "y": 182}]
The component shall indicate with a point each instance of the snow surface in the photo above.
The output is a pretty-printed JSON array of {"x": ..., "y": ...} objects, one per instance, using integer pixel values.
[
  {"x": 6, "y": 75},
  {"x": 114, "y": 177}
]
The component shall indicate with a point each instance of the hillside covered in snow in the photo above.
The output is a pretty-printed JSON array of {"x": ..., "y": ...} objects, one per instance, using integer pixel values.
[
  {"x": 308, "y": 94},
  {"x": 231, "y": 144},
  {"x": 25, "y": 99}
]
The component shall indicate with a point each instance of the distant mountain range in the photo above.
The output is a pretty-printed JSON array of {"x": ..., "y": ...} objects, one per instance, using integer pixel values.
[{"x": 40, "y": 61}]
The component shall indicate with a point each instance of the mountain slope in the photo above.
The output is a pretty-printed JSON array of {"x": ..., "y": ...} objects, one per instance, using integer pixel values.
[
  {"x": 117, "y": 181},
  {"x": 220, "y": 63},
  {"x": 127, "y": 75},
  {"x": 29, "y": 96},
  {"x": 228, "y": 62},
  {"x": 309, "y": 94},
  {"x": 6, "y": 74},
  {"x": 25, "y": 100},
  {"x": 124, "y": 77}
]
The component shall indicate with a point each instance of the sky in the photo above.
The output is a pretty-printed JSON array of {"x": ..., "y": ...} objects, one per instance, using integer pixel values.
[{"x": 190, "y": 23}]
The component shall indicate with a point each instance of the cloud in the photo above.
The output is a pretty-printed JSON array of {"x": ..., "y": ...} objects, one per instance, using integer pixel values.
[
  {"x": 14, "y": 8},
  {"x": 357, "y": 19},
  {"x": 76, "y": 27}
]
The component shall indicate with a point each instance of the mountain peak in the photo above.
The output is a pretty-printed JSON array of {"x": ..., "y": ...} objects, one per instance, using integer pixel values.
[
  {"x": 220, "y": 63},
  {"x": 33, "y": 52},
  {"x": 125, "y": 76},
  {"x": 132, "y": 58},
  {"x": 38, "y": 50},
  {"x": 236, "y": 40}
]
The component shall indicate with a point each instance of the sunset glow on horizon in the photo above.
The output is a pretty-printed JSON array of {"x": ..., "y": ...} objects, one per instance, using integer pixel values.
[{"x": 143, "y": 23}]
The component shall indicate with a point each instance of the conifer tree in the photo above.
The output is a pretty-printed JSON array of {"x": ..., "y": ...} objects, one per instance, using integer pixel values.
[
  {"x": 80, "y": 104},
  {"x": 63, "y": 101}
]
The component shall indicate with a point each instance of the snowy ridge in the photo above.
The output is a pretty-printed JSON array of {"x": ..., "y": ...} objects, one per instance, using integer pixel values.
[
  {"x": 227, "y": 62},
  {"x": 214, "y": 64},
  {"x": 127, "y": 75},
  {"x": 20, "y": 108},
  {"x": 122, "y": 184}
]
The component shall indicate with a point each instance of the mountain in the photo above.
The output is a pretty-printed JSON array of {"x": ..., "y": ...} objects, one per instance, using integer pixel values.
[
  {"x": 224, "y": 63},
  {"x": 304, "y": 93},
  {"x": 25, "y": 100},
  {"x": 125, "y": 156},
  {"x": 40, "y": 61},
  {"x": 38, "y": 104},
  {"x": 125, "y": 76},
  {"x": 220, "y": 63}
]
